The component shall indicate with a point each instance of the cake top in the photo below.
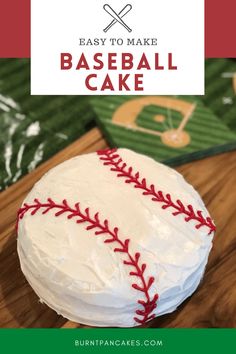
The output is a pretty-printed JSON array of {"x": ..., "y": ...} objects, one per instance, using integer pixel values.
[{"x": 127, "y": 235}]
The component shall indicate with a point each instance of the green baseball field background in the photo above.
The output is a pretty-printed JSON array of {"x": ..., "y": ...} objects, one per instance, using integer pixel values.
[{"x": 33, "y": 128}]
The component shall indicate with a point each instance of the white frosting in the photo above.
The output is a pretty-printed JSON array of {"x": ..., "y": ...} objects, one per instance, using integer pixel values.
[{"x": 81, "y": 277}]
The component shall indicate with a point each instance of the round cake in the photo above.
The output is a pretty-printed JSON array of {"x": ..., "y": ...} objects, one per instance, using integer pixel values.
[{"x": 113, "y": 238}]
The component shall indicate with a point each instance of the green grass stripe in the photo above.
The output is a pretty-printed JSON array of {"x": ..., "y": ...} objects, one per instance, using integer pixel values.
[
  {"x": 207, "y": 123},
  {"x": 17, "y": 85},
  {"x": 8, "y": 70},
  {"x": 217, "y": 90},
  {"x": 215, "y": 69}
]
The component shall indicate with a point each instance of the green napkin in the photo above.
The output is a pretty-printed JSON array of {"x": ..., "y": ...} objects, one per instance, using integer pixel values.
[
  {"x": 210, "y": 125},
  {"x": 33, "y": 128}
]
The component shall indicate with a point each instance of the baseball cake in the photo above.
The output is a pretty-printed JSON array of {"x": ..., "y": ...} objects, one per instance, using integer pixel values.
[{"x": 113, "y": 239}]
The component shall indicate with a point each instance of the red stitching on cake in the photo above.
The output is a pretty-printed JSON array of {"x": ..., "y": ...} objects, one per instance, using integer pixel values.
[
  {"x": 149, "y": 304},
  {"x": 110, "y": 157}
]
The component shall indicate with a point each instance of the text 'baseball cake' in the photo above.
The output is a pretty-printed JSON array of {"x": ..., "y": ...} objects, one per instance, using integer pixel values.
[{"x": 113, "y": 238}]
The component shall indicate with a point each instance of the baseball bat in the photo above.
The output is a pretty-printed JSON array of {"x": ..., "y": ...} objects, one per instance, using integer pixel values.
[
  {"x": 122, "y": 13},
  {"x": 111, "y": 12}
]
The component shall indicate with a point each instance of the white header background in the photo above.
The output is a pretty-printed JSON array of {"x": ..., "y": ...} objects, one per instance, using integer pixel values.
[{"x": 57, "y": 25}]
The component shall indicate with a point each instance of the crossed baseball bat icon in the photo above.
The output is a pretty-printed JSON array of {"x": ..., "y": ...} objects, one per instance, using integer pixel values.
[{"x": 117, "y": 17}]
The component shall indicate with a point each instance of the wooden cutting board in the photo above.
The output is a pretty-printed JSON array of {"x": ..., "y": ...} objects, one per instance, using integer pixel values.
[{"x": 212, "y": 305}]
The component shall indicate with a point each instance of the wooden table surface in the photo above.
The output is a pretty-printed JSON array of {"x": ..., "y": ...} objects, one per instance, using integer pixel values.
[{"x": 214, "y": 302}]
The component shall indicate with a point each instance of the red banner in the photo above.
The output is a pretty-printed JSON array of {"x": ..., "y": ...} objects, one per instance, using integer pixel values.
[{"x": 220, "y": 18}]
